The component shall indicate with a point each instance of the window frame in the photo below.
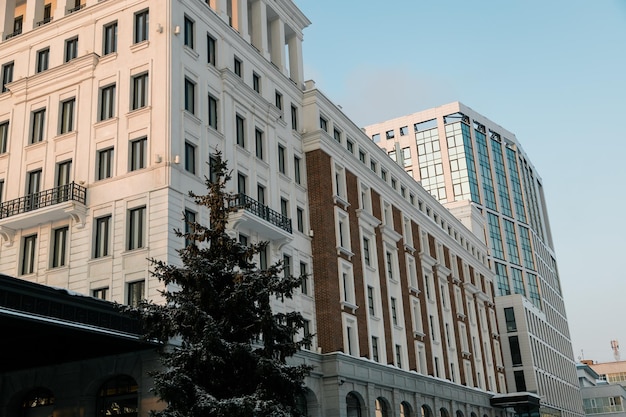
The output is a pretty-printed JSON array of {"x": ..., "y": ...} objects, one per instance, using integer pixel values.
[
  {"x": 211, "y": 50},
  {"x": 104, "y": 163},
  {"x": 102, "y": 236},
  {"x": 38, "y": 126},
  {"x": 71, "y": 49},
  {"x": 66, "y": 115},
  {"x": 137, "y": 154},
  {"x": 43, "y": 60},
  {"x": 136, "y": 228},
  {"x": 189, "y": 32},
  {"x": 190, "y": 96},
  {"x": 107, "y": 102},
  {"x": 28, "y": 254},
  {"x": 4, "y": 136},
  {"x": 141, "y": 22},
  {"x": 190, "y": 157},
  {"x": 213, "y": 103},
  {"x": 59, "y": 247},
  {"x": 140, "y": 83},
  {"x": 240, "y": 130},
  {"x": 7, "y": 75},
  {"x": 109, "y": 38}
]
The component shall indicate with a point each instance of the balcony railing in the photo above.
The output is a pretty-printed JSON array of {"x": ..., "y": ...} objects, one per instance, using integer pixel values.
[
  {"x": 56, "y": 195},
  {"x": 14, "y": 34},
  {"x": 261, "y": 210},
  {"x": 75, "y": 9},
  {"x": 44, "y": 21}
]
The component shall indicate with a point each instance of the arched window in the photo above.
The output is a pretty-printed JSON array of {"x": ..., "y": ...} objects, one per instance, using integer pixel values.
[
  {"x": 118, "y": 396},
  {"x": 459, "y": 413},
  {"x": 405, "y": 409},
  {"x": 38, "y": 402},
  {"x": 353, "y": 405},
  {"x": 301, "y": 404},
  {"x": 443, "y": 412},
  {"x": 382, "y": 409},
  {"x": 426, "y": 411}
]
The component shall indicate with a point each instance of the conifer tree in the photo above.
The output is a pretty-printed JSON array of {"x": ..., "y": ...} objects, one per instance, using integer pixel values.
[{"x": 225, "y": 350}]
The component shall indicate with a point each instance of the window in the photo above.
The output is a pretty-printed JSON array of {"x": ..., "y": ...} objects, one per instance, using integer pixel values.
[
  {"x": 190, "y": 221},
  {"x": 141, "y": 26},
  {"x": 337, "y": 135},
  {"x": 138, "y": 154},
  {"x": 279, "y": 101},
  {"x": 190, "y": 158},
  {"x": 213, "y": 112},
  {"x": 109, "y": 38},
  {"x": 135, "y": 293},
  {"x": 509, "y": 316},
  {"x": 375, "y": 348},
  {"x": 394, "y": 311},
  {"x": 105, "y": 164},
  {"x": 71, "y": 49},
  {"x": 59, "y": 246},
  {"x": 389, "y": 134},
  {"x": 370, "y": 301},
  {"x": 241, "y": 183},
  {"x": 237, "y": 66},
  {"x": 211, "y": 49},
  {"x": 520, "y": 381},
  {"x": 361, "y": 156},
  {"x": 304, "y": 279},
  {"x": 136, "y": 227},
  {"x": 29, "y": 244},
  {"x": 323, "y": 124},
  {"x": 43, "y": 57},
  {"x": 404, "y": 130},
  {"x": 38, "y": 126},
  {"x": 212, "y": 169},
  {"x": 7, "y": 76},
  {"x": 189, "y": 32},
  {"x": 300, "y": 219},
  {"x": 100, "y": 293},
  {"x": 240, "y": 127},
  {"x": 263, "y": 257},
  {"x": 33, "y": 185},
  {"x": 297, "y": 174},
  {"x": 190, "y": 96},
  {"x": 4, "y": 136},
  {"x": 63, "y": 179},
  {"x": 258, "y": 141},
  {"x": 399, "y": 356},
  {"x": 516, "y": 355},
  {"x": 67, "y": 116},
  {"x": 366, "y": 251},
  {"x": 281, "y": 159},
  {"x": 286, "y": 266},
  {"x": 256, "y": 82},
  {"x": 306, "y": 329},
  {"x": 107, "y": 102},
  {"x": 350, "y": 146},
  {"x": 284, "y": 207},
  {"x": 376, "y": 137},
  {"x": 102, "y": 234},
  {"x": 294, "y": 117},
  {"x": 140, "y": 91}
]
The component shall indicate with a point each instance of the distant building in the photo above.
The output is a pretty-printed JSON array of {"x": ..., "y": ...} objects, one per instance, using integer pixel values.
[
  {"x": 479, "y": 171},
  {"x": 601, "y": 397}
]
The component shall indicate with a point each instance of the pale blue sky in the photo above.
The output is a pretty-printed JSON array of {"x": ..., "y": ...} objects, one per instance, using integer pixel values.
[{"x": 552, "y": 72}]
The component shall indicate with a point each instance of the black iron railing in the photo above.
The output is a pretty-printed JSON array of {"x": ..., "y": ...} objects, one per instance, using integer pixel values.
[
  {"x": 14, "y": 34},
  {"x": 44, "y": 21},
  {"x": 261, "y": 210},
  {"x": 75, "y": 9},
  {"x": 56, "y": 195}
]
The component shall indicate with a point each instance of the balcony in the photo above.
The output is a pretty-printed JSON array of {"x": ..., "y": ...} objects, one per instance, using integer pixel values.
[
  {"x": 44, "y": 21},
  {"x": 259, "y": 217},
  {"x": 14, "y": 34},
  {"x": 75, "y": 9},
  {"x": 44, "y": 206}
]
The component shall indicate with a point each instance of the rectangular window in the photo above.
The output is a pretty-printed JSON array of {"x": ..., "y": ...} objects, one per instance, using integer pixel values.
[
  {"x": 190, "y": 221},
  {"x": 306, "y": 329},
  {"x": 294, "y": 117},
  {"x": 7, "y": 75},
  {"x": 241, "y": 183},
  {"x": 138, "y": 154},
  {"x": 67, "y": 116},
  {"x": 375, "y": 348},
  {"x": 256, "y": 82},
  {"x": 399, "y": 356},
  {"x": 136, "y": 227},
  {"x": 211, "y": 49},
  {"x": 240, "y": 127},
  {"x": 509, "y": 316},
  {"x": 4, "y": 136},
  {"x": 189, "y": 32},
  {"x": 100, "y": 293},
  {"x": 140, "y": 91},
  {"x": 38, "y": 126},
  {"x": 71, "y": 49},
  {"x": 29, "y": 244},
  {"x": 263, "y": 257},
  {"x": 43, "y": 57},
  {"x": 337, "y": 135},
  {"x": 105, "y": 164},
  {"x": 284, "y": 207},
  {"x": 258, "y": 141},
  {"x": 135, "y": 293},
  {"x": 516, "y": 355},
  {"x": 59, "y": 246},
  {"x": 107, "y": 102},
  {"x": 213, "y": 169},
  {"x": 286, "y": 266},
  {"x": 520, "y": 381},
  {"x": 213, "y": 112},
  {"x": 237, "y": 67},
  {"x": 190, "y": 158},
  {"x": 297, "y": 174},
  {"x": 323, "y": 124},
  {"x": 300, "y": 219},
  {"x": 304, "y": 279},
  {"x": 109, "y": 38},
  {"x": 279, "y": 100},
  {"x": 190, "y": 96},
  {"x": 281, "y": 159},
  {"x": 260, "y": 194},
  {"x": 101, "y": 233},
  {"x": 141, "y": 26},
  {"x": 350, "y": 146},
  {"x": 18, "y": 24},
  {"x": 366, "y": 251},
  {"x": 63, "y": 179},
  {"x": 394, "y": 312},
  {"x": 370, "y": 301}
]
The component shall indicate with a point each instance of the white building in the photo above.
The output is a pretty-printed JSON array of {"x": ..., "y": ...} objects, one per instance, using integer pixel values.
[
  {"x": 460, "y": 156},
  {"x": 109, "y": 113}
]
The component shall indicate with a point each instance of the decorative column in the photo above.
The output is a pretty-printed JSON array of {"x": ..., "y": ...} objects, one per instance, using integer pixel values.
[
  {"x": 296, "y": 72},
  {"x": 277, "y": 52},
  {"x": 7, "y": 18},
  {"x": 259, "y": 27}
]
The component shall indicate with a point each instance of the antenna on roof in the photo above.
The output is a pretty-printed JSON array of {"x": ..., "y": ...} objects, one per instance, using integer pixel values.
[{"x": 615, "y": 347}]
